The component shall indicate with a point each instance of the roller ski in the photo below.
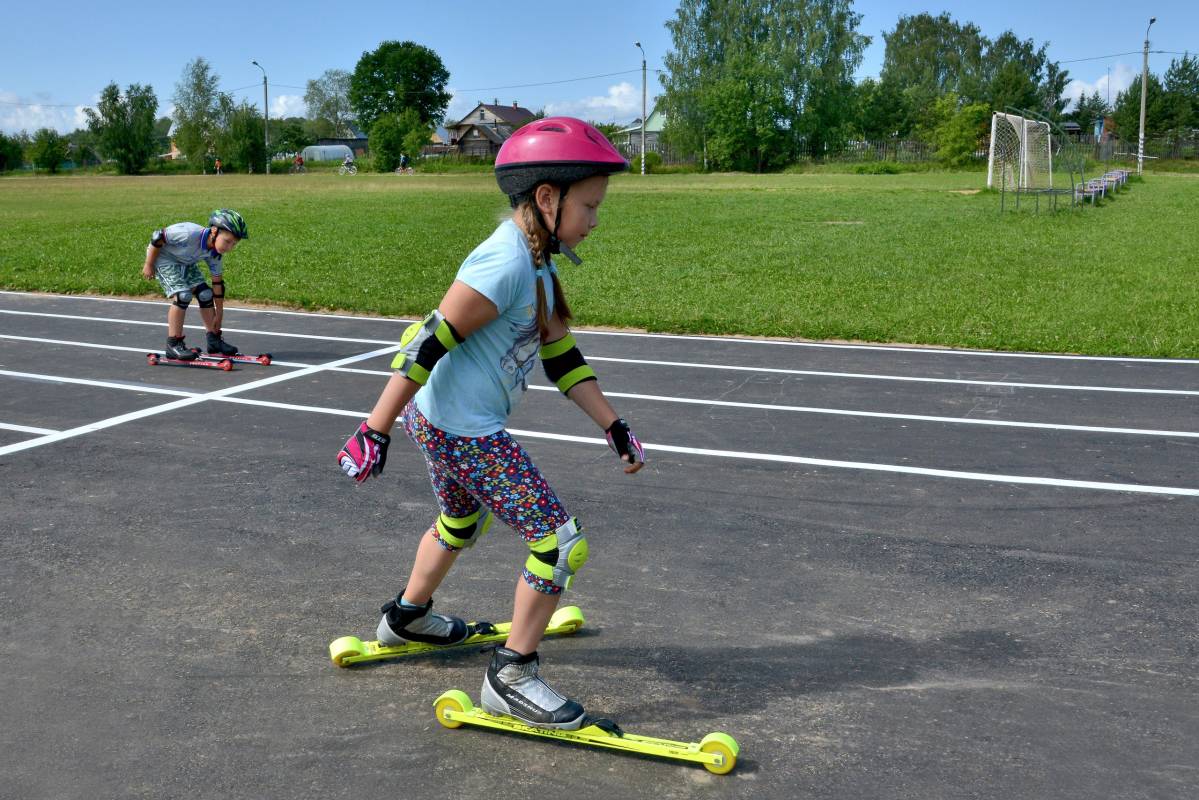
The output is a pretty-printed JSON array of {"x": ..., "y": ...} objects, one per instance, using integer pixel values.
[
  {"x": 218, "y": 349},
  {"x": 262, "y": 358},
  {"x": 716, "y": 751},
  {"x": 350, "y": 650},
  {"x": 177, "y": 354},
  {"x": 517, "y": 699}
]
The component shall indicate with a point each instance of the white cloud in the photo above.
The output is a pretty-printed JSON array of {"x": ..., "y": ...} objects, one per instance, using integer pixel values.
[
  {"x": 29, "y": 114},
  {"x": 288, "y": 105},
  {"x": 1121, "y": 77},
  {"x": 621, "y": 104}
]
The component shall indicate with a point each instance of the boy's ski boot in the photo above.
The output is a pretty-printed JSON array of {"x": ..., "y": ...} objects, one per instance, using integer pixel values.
[
  {"x": 217, "y": 346},
  {"x": 177, "y": 350},
  {"x": 403, "y": 622},
  {"x": 513, "y": 687}
]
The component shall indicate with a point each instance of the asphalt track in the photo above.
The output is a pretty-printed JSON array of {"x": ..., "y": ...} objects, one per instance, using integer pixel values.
[{"x": 887, "y": 572}]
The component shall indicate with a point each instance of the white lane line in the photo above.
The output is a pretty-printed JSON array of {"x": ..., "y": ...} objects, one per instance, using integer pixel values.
[
  {"x": 896, "y": 468},
  {"x": 227, "y": 395},
  {"x": 905, "y": 378},
  {"x": 684, "y": 400},
  {"x": 189, "y": 401},
  {"x": 197, "y": 327},
  {"x": 8, "y": 426},
  {"x": 685, "y": 337},
  {"x": 685, "y": 364},
  {"x": 245, "y": 309},
  {"x": 1052, "y": 426}
]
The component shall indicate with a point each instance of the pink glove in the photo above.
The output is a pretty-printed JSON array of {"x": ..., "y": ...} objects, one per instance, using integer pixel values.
[
  {"x": 364, "y": 453},
  {"x": 624, "y": 442}
]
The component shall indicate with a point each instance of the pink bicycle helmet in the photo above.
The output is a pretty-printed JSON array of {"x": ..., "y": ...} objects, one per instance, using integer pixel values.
[{"x": 557, "y": 150}]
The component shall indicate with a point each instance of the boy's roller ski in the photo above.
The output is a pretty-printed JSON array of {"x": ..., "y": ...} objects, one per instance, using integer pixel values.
[
  {"x": 262, "y": 358},
  {"x": 716, "y": 751},
  {"x": 156, "y": 359},
  {"x": 350, "y": 650}
]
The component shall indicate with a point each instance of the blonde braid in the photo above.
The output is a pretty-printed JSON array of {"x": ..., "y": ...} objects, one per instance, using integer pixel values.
[{"x": 538, "y": 245}]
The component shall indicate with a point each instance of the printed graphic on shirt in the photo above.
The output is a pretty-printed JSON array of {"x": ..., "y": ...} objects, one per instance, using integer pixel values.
[{"x": 521, "y": 357}]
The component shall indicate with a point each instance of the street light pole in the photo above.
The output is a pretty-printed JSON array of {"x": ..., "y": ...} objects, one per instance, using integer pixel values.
[
  {"x": 639, "y": 47},
  {"x": 266, "y": 127},
  {"x": 1144, "y": 91}
]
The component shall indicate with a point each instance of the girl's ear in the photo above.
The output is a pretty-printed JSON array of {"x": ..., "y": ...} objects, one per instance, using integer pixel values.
[{"x": 546, "y": 197}]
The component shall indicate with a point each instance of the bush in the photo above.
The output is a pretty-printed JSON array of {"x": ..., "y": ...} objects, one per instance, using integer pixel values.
[{"x": 49, "y": 150}]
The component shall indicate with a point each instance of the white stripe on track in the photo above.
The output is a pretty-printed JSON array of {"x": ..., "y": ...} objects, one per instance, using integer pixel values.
[
  {"x": 227, "y": 395},
  {"x": 932, "y": 350},
  {"x": 8, "y": 426},
  {"x": 664, "y": 399},
  {"x": 864, "y": 376},
  {"x": 684, "y": 364},
  {"x": 189, "y": 401}
]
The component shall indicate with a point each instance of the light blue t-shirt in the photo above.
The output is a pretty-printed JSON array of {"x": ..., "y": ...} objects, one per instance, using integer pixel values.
[
  {"x": 185, "y": 244},
  {"x": 476, "y": 386}
]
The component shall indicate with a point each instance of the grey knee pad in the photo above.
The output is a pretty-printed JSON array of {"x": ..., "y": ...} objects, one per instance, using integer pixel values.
[
  {"x": 183, "y": 299},
  {"x": 558, "y": 556},
  {"x": 205, "y": 296}
]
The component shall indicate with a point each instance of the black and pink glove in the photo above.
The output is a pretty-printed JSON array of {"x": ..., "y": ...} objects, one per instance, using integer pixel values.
[
  {"x": 624, "y": 442},
  {"x": 364, "y": 454}
]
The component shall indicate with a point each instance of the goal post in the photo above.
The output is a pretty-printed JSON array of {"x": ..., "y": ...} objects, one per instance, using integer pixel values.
[{"x": 1020, "y": 156}]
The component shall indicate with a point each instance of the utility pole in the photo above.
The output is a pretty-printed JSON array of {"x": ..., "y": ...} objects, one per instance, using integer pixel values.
[
  {"x": 1144, "y": 91},
  {"x": 266, "y": 119},
  {"x": 639, "y": 47}
]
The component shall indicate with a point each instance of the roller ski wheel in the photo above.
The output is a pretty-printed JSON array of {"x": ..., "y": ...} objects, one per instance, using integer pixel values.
[
  {"x": 717, "y": 752},
  {"x": 350, "y": 650},
  {"x": 155, "y": 360},
  {"x": 262, "y": 358}
]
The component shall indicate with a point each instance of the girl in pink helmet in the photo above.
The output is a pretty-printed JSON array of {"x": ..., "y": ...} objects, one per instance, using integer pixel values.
[{"x": 458, "y": 376}]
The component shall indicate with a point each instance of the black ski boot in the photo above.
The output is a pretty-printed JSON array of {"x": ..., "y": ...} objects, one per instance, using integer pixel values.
[
  {"x": 406, "y": 623},
  {"x": 217, "y": 346},
  {"x": 513, "y": 687},
  {"x": 178, "y": 350}
]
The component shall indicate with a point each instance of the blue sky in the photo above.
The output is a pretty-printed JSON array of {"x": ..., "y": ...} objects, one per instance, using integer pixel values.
[{"x": 529, "y": 51}]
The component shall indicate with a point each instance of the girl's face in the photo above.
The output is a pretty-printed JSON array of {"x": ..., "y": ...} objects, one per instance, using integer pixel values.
[
  {"x": 581, "y": 213},
  {"x": 225, "y": 241}
]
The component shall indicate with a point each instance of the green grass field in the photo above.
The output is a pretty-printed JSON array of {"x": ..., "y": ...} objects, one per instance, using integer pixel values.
[{"x": 912, "y": 258}]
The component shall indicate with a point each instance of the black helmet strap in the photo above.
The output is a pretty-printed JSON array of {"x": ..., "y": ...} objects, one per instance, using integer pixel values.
[{"x": 555, "y": 244}]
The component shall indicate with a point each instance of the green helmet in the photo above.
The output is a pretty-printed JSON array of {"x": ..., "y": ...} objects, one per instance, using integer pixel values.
[{"x": 229, "y": 220}]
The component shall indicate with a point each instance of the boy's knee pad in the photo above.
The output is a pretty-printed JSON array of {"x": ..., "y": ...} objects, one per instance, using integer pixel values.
[
  {"x": 463, "y": 532},
  {"x": 204, "y": 296},
  {"x": 558, "y": 556},
  {"x": 183, "y": 299}
]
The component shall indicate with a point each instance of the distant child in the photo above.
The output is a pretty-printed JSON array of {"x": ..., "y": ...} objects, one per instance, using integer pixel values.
[
  {"x": 173, "y": 255},
  {"x": 218, "y": 167},
  {"x": 459, "y": 375}
]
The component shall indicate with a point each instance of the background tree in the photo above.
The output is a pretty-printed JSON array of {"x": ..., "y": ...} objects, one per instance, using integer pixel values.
[
  {"x": 935, "y": 56},
  {"x": 1051, "y": 93},
  {"x": 328, "y": 98},
  {"x": 81, "y": 144},
  {"x": 752, "y": 82},
  {"x": 12, "y": 152},
  {"x": 290, "y": 135},
  {"x": 1182, "y": 96},
  {"x": 49, "y": 150},
  {"x": 398, "y": 76},
  {"x": 1127, "y": 111},
  {"x": 197, "y": 110},
  {"x": 960, "y": 135},
  {"x": 162, "y": 135},
  {"x": 396, "y": 134},
  {"x": 239, "y": 142},
  {"x": 881, "y": 110},
  {"x": 124, "y": 126},
  {"x": 1012, "y": 87},
  {"x": 1088, "y": 109}
]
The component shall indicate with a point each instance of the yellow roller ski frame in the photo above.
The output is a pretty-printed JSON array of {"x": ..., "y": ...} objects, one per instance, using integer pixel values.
[
  {"x": 716, "y": 751},
  {"x": 350, "y": 650}
]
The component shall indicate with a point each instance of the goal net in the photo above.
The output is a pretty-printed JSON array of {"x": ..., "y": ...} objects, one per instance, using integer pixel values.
[{"x": 1021, "y": 153}]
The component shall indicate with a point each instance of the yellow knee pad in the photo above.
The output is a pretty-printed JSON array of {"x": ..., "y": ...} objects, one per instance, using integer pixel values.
[{"x": 462, "y": 532}]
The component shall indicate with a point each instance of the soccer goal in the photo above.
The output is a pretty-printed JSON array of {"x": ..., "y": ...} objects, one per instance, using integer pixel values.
[{"x": 1021, "y": 154}]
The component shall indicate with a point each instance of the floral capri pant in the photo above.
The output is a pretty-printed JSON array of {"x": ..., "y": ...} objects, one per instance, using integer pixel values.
[{"x": 494, "y": 470}]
